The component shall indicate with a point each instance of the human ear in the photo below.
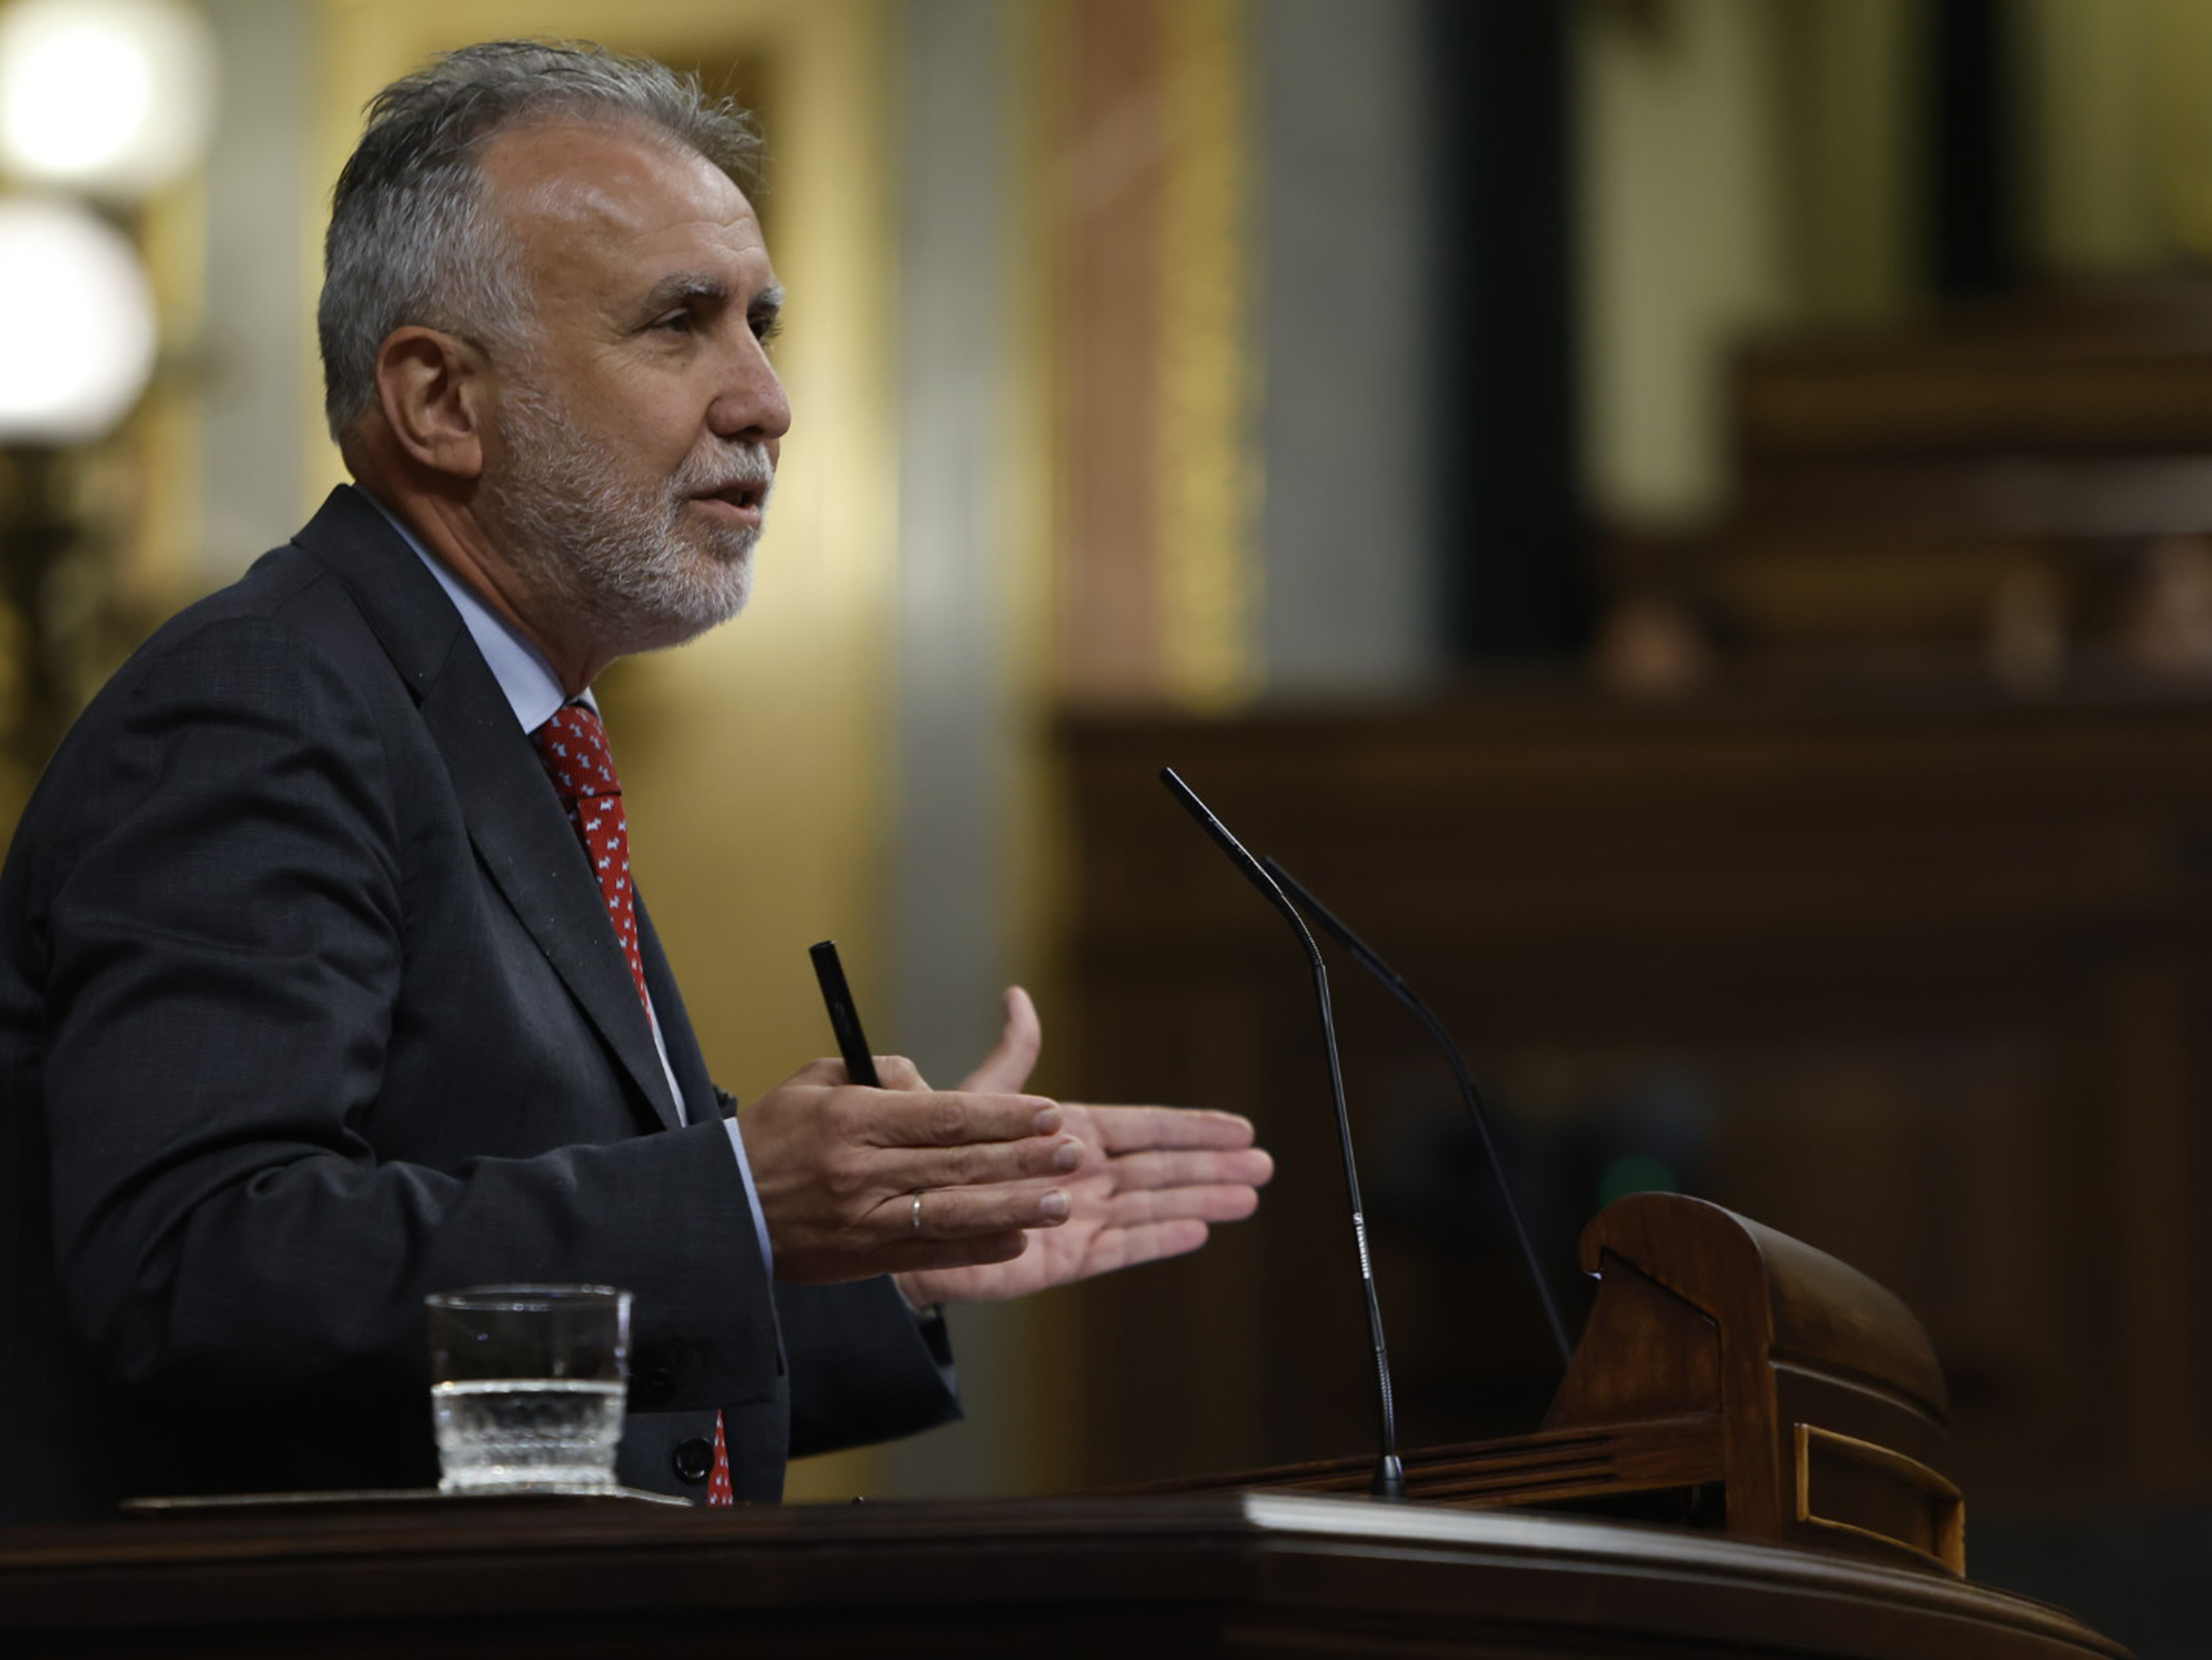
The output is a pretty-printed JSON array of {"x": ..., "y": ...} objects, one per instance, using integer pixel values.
[{"x": 430, "y": 387}]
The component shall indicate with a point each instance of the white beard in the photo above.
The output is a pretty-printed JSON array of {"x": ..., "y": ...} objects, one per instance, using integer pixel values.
[{"x": 635, "y": 568}]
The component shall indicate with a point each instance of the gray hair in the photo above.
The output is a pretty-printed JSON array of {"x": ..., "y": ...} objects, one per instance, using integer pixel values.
[{"x": 411, "y": 238}]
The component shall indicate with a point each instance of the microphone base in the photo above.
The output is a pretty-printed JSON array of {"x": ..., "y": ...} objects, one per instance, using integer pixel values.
[{"x": 1389, "y": 1478}]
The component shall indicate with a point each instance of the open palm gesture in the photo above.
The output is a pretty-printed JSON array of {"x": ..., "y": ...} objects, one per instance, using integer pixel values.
[{"x": 1152, "y": 1181}]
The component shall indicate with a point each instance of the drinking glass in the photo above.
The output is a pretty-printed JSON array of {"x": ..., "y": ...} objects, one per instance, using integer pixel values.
[{"x": 527, "y": 1386}]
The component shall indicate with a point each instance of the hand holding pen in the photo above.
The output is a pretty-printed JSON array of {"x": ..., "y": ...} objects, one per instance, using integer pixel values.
[
  {"x": 860, "y": 1178},
  {"x": 844, "y": 1017},
  {"x": 984, "y": 1191}
]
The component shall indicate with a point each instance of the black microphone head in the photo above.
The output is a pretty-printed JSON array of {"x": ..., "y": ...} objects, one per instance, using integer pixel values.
[
  {"x": 1238, "y": 856},
  {"x": 1211, "y": 825}
]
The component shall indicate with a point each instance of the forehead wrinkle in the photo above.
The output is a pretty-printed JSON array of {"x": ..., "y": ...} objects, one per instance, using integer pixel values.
[
  {"x": 595, "y": 176},
  {"x": 591, "y": 209}
]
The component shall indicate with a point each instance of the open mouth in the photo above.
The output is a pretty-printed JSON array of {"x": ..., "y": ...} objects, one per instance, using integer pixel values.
[{"x": 744, "y": 500}]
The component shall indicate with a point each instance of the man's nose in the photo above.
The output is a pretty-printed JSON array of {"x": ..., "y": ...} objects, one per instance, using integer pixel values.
[{"x": 751, "y": 403}]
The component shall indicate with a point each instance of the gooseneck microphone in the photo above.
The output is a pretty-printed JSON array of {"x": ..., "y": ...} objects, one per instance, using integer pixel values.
[
  {"x": 1368, "y": 958},
  {"x": 1390, "y": 1473}
]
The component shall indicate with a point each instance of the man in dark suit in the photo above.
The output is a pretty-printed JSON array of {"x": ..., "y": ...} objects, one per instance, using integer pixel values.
[{"x": 310, "y": 1001}]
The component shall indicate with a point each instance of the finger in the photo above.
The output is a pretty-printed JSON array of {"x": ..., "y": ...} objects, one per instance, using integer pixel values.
[
  {"x": 919, "y": 1257},
  {"x": 993, "y": 1163},
  {"x": 1249, "y": 1167},
  {"x": 1226, "y": 1201},
  {"x": 1006, "y": 1069},
  {"x": 1130, "y": 1129},
  {"x": 893, "y": 1072},
  {"x": 945, "y": 1118},
  {"x": 971, "y": 1214},
  {"x": 1123, "y": 1247},
  {"x": 896, "y": 1071}
]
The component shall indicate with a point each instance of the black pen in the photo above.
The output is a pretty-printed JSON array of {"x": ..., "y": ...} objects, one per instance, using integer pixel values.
[{"x": 844, "y": 1019}]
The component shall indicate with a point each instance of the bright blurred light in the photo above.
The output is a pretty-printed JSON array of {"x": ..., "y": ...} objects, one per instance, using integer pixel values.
[
  {"x": 112, "y": 97},
  {"x": 76, "y": 324}
]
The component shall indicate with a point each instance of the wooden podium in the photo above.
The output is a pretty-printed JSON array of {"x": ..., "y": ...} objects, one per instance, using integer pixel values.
[
  {"x": 1783, "y": 1407},
  {"x": 1729, "y": 1377},
  {"x": 1245, "y": 1574}
]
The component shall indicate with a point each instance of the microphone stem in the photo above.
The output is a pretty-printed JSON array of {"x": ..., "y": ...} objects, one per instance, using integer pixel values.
[
  {"x": 1472, "y": 1099},
  {"x": 1390, "y": 1473},
  {"x": 1390, "y": 1481},
  {"x": 1392, "y": 982}
]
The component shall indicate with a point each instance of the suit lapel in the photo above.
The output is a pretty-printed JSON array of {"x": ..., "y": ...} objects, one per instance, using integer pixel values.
[
  {"x": 676, "y": 1036},
  {"x": 525, "y": 841},
  {"x": 514, "y": 820}
]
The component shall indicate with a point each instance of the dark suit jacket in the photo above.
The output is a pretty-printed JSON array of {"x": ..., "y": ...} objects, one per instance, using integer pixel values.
[{"x": 309, "y": 1006}]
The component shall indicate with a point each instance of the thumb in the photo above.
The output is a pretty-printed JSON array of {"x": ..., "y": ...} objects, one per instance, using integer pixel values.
[{"x": 1006, "y": 1069}]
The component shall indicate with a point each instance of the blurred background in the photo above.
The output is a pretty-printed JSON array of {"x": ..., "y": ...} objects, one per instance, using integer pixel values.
[{"x": 1688, "y": 522}]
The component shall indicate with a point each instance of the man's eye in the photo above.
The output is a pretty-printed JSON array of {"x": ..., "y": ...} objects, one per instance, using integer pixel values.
[
  {"x": 767, "y": 326},
  {"x": 676, "y": 322}
]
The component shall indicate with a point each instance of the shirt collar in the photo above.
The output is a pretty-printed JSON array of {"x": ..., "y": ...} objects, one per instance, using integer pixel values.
[{"x": 532, "y": 690}]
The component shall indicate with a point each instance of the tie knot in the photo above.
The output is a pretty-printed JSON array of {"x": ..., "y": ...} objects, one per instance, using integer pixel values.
[{"x": 572, "y": 747}]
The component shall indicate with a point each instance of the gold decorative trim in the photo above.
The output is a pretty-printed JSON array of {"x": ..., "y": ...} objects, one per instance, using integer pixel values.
[
  {"x": 1208, "y": 467},
  {"x": 1947, "y": 1505}
]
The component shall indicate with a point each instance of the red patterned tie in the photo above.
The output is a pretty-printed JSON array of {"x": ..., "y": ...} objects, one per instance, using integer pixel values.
[{"x": 573, "y": 745}]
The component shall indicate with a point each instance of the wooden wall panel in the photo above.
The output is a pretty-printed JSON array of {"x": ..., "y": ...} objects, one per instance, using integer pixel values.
[{"x": 1923, "y": 984}]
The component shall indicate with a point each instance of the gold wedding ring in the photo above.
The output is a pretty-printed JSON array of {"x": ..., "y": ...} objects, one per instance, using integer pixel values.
[{"x": 916, "y": 1213}]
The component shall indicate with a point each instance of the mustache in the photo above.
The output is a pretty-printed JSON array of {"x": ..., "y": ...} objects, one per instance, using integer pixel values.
[{"x": 734, "y": 467}]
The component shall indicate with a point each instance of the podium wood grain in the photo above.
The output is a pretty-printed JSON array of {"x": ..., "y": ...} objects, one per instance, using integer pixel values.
[{"x": 1247, "y": 1574}]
